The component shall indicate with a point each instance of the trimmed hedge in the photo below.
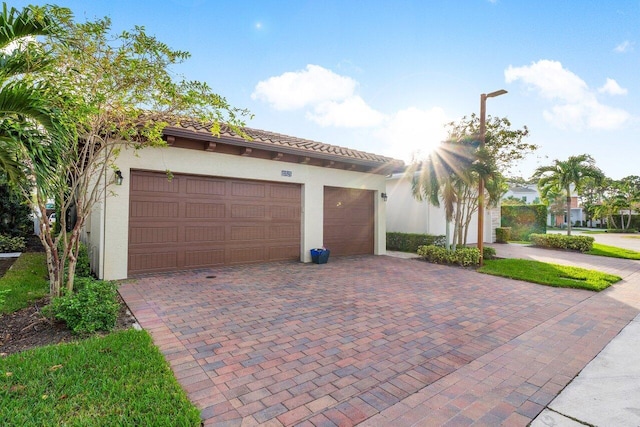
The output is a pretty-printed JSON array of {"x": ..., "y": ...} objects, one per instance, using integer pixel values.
[
  {"x": 12, "y": 244},
  {"x": 410, "y": 242},
  {"x": 503, "y": 234},
  {"x": 461, "y": 256},
  {"x": 560, "y": 241},
  {"x": 524, "y": 220}
]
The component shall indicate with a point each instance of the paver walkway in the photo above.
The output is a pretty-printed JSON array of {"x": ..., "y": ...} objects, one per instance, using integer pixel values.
[{"x": 379, "y": 340}]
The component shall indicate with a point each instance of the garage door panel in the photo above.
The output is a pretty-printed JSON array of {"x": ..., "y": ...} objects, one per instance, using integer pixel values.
[
  {"x": 213, "y": 233},
  {"x": 204, "y": 258},
  {"x": 145, "y": 235},
  {"x": 284, "y": 192},
  {"x": 284, "y": 231},
  {"x": 205, "y": 210},
  {"x": 150, "y": 262},
  {"x": 210, "y": 187},
  {"x": 153, "y": 209},
  {"x": 239, "y": 211},
  {"x": 285, "y": 212},
  {"x": 247, "y": 189},
  {"x": 205, "y": 224},
  {"x": 348, "y": 221},
  {"x": 249, "y": 232},
  {"x": 154, "y": 184}
]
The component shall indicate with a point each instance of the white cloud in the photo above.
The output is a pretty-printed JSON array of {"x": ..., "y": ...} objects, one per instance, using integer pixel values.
[
  {"x": 309, "y": 87},
  {"x": 550, "y": 79},
  {"x": 612, "y": 87},
  {"x": 575, "y": 104},
  {"x": 625, "y": 46},
  {"x": 353, "y": 112},
  {"x": 413, "y": 132},
  {"x": 330, "y": 99}
]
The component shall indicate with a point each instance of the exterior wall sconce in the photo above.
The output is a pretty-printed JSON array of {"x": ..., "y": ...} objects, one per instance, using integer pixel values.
[
  {"x": 119, "y": 178},
  {"x": 384, "y": 196}
]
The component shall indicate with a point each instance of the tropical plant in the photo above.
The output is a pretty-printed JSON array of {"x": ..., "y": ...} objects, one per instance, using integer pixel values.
[
  {"x": 119, "y": 92},
  {"x": 453, "y": 178},
  {"x": 31, "y": 127},
  {"x": 563, "y": 175}
]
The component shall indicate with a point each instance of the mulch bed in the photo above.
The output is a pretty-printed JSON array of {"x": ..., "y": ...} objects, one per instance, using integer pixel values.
[{"x": 28, "y": 328}]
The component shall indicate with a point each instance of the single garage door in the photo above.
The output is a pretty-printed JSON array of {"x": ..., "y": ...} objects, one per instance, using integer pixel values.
[
  {"x": 196, "y": 221},
  {"x": 348, "y": 221}
]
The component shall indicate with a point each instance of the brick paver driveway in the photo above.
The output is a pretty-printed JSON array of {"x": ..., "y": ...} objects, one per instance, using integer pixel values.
[{"x": 371, "y": 338}]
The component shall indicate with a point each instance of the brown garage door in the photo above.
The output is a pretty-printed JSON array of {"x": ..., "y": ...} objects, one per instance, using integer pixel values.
[
  {"x": 196, "y": 221},
  {"x": 348, "y": 221}
]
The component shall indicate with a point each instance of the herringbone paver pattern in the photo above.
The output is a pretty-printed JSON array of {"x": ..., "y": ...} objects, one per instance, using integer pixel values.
[{"x": 375, "y": 339}]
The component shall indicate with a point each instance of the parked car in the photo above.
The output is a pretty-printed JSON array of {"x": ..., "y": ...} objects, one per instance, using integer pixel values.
[{"x": 52, "y": 218}]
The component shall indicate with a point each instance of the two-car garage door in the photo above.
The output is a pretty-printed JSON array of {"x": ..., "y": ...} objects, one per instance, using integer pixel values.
[
  {"x": 193, "y": 221},
  {"x": 190, "y": 221}
]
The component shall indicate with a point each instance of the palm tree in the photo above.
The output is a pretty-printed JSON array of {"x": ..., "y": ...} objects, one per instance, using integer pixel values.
[
  {"x": 560, "y": 176},
  {"x": 31, "y": 128},
  {"x": 442, "y": 176}
]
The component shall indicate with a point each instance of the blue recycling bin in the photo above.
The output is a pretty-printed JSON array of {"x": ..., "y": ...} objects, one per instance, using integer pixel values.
[{"x": 320, "y": 256}]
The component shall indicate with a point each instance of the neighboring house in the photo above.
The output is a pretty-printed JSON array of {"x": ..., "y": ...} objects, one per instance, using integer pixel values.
[
  {"x": 407, "y": 215},
  {"x": 229, "y": 201},
  {"x": 529, "y": 194}
]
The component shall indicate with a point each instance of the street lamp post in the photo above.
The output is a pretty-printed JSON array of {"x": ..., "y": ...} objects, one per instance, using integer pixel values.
[{"x": 483, "y": 131}]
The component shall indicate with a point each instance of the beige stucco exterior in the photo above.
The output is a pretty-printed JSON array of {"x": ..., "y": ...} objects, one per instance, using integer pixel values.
[
  {"x": 107, "y": 230},
  {"x": 407, "y": 215}
]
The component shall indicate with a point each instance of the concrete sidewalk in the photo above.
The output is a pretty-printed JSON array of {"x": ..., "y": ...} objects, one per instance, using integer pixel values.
[{"x": 607, "y": 391}]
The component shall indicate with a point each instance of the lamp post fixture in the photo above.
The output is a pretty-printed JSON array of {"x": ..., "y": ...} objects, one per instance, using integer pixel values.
[{"x": 483, "y": 131}]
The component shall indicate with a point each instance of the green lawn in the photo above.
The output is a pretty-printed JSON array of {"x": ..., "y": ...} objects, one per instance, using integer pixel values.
[
  {"x": 613, "y": 251},
  {"x": 549, "y": 274},
  {"x": 119, "y": 379},
  {"x": 25, "y": 282}
]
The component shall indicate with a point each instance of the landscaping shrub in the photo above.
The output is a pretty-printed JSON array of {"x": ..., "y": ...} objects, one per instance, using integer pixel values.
[
  {"x": 409, "y": 242},
  {"x": 92, "y": 307},
  {"x": 83, "y": 268},
  {"x": 560, "y": 241},
  {"x": 524, "y": 220},
  {"x": 461, "y": 256},
  {"x": 488, "y": 252},
  {"x": 503, "y": 234},
  {"x": 12, "y": 244}
]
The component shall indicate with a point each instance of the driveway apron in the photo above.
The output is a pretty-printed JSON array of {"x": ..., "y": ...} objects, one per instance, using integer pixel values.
[{"x": 373, "y": 340}]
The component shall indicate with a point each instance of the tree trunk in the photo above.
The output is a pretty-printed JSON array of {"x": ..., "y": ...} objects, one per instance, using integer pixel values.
[{"x": 568, "y": 213}]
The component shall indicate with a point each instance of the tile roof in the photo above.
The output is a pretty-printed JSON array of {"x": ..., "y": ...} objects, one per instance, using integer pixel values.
[{"x": 275, "y": 141}]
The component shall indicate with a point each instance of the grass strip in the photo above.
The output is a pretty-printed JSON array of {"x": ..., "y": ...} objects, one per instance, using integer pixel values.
[
  {"x": 118, "y": 379},
  {"x": 549, "y": 274},
  {"x": 613, "y": 252},
  {"x": 26, "y": 281}
]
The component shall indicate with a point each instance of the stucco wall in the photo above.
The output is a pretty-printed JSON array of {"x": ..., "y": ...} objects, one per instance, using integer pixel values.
[
  {"x": 407, "y": 215},
  {"x": 108, "y": 238}
]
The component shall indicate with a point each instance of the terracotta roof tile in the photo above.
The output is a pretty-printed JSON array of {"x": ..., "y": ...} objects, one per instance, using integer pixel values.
[{"x": 272, "y": 138}]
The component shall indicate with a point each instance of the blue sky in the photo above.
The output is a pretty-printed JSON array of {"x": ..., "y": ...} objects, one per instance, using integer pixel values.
[{"x": 384, "y": 76}]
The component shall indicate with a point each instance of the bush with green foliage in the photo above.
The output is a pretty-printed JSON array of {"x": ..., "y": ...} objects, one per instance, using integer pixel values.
[
  {"x": 15, "y": 214},
  {"x": 93, "y": 306},
  {"x": 524, "y": 220},
  {"x": 12, "y": 244},
  {"x": 561, "y": 241},
  {"x": 409, "y": 242},
  {"x": 488, "y": 252},
  {"x": 503, "y": 234},
  {"x": 461, "y": 256}
]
